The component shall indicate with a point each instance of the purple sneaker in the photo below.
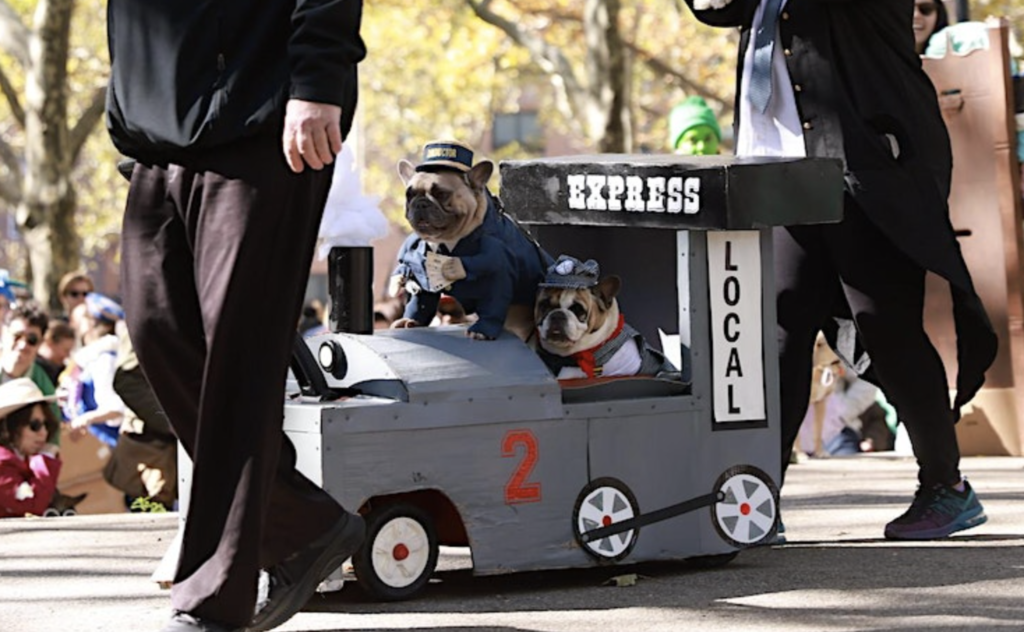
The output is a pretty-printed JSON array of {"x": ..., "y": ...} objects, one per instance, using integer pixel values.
[{"x": 937, "y": 512}]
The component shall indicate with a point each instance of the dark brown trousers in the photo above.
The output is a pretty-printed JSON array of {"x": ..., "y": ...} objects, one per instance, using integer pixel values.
[
  {"x": 885, "y": 291},
  {"x": 215, "y": 260}
]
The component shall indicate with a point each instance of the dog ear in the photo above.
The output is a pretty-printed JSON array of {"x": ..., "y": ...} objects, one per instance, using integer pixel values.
[
  {"x": 406, "y": 170},
  {"x": 607, "y": 289},
  {"x": 480, "y": 174}
]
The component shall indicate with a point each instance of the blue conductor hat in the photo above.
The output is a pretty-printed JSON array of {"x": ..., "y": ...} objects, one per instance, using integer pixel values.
[
  {"x": 571, "y": 273},
  {"x": 446, "y": 154}
]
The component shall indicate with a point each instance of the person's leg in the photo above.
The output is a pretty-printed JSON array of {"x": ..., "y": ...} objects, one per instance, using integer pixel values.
[
  {"x": 885, "y": 291},
  {"x": 160, "y": 302},
  {"x": 250, "y": 226},
  {"x": 806, "y": 286}
]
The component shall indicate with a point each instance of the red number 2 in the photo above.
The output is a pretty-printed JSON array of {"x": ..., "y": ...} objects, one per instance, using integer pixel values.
[{"x": 517, "y": 490}]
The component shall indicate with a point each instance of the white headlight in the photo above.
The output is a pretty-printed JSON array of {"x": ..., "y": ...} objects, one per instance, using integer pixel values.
[{"x": 327, "y": 356}]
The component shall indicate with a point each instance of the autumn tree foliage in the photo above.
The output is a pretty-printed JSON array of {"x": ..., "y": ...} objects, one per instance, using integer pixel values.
[
  {"x": 51, "y": 80},
  {"x": 602, "y": 75}
]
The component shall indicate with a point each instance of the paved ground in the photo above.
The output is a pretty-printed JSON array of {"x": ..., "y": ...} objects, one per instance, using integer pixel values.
[{"x": 836, "y": 573}]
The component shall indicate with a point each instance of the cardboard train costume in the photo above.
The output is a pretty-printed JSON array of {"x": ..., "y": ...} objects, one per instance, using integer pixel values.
[{"x": 503, "y": 264}]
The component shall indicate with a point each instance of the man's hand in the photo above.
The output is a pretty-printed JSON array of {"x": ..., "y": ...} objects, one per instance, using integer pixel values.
[
  {"x": 312, "y": 134},
  {"x": 404, "y": 323},
  {"x": 703, "y": 5}
]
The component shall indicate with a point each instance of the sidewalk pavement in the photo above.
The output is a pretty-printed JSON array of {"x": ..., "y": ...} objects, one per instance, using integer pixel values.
[{"x": 91, "y": 573}]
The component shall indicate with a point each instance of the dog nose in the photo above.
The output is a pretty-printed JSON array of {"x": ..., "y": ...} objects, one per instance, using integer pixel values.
[
  {"x": 556, "y": 325},
  {"x": 421, "y": 203}
]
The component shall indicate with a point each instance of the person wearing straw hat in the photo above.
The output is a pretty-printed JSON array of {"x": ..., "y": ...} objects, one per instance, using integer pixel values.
[
  {"x": 26, "y": 325},
  {"x": 28, "y": 476}
]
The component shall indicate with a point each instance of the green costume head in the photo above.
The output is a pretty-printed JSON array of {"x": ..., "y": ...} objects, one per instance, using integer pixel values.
[{"x": 693, "y": 129}]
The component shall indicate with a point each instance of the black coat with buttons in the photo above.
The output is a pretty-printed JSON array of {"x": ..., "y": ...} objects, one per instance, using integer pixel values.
[{"x": 864, "y": 98}]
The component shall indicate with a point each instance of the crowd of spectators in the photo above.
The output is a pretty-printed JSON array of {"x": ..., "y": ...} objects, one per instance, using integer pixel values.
[{"x": 61, "y": 375}]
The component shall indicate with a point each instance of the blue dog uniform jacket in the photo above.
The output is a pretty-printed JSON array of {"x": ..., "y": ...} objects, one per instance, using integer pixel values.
[{"x": 503, "y": 267}]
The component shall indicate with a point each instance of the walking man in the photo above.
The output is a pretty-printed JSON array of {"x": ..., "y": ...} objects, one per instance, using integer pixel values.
[{"x": 234, "y": 111}]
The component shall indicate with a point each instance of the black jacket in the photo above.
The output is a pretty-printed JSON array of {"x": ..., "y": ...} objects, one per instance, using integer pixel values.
[
  {"x": 856, "y": 78},
  {"x": 189, "y": 75}
]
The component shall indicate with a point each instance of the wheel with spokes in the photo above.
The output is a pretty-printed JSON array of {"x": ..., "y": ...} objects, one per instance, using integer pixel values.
[
  {"x": 748, "y": 511},
  {"x": 602, "y": 503},
  {"x": 399, "y": 554}
]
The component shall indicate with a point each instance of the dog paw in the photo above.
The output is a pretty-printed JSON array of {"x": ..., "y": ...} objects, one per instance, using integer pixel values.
[
  {"x": 476, "y": 335},
  {"x": 404, "y": 323}
]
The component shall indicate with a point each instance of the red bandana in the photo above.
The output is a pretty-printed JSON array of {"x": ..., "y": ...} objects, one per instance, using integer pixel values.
[{"x": 585, "y": 358}]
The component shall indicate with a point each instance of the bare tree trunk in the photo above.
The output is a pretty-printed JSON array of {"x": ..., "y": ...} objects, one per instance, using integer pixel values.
[
  {"x": 47, "y": 207},
  {"x": 607, "y": 80},
  {"x": 601, "y": 103}
]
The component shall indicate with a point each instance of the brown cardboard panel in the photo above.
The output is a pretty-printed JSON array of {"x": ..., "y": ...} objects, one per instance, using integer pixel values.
[
  {"x": 101, "y": 498},
  {"x": 985, "y": 208},
  {"x": 83, "y": 459},
  {"x": 81, "y": 456},
  {"x": 988, "y": 426}
]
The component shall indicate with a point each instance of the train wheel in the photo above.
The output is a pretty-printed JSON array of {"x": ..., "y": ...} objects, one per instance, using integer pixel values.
[
  {"x": 399, "y": 553},
  {"x": 748, "y": 513},
  {"x": 601, "y": 503}
]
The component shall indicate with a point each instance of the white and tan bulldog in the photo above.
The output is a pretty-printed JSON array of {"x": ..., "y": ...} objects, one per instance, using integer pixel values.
[{"x": 580, "y": 330}]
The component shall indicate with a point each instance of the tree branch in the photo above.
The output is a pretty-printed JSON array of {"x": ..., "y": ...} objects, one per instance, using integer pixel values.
[
  {"x": 13, "y": 34},
  {"x": 661, "y": 67},
  {"x": 549, "y": 58},
  {"x": 12, "y": 98},
  {"x": 555, "y": 13},
  {"x": 92, "y": 115}
]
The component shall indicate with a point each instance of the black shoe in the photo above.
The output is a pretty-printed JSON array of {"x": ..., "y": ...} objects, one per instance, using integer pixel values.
[
  {"x": 184, "y": 622},
  {"x": 937, "y": 512},
  {"x": 293, "y": 581}
]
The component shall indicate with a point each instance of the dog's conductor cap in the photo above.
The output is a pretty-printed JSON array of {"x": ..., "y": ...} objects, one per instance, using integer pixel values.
[
  {"x": 571, "y": 273},
  {"x": 446, "y": 154}
]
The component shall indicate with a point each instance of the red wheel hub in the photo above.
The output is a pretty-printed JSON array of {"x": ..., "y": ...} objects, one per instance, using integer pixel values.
[
  {"x": 607, "y": 520},
  {"x": 400, "y": 552},
  {"x": 745, "y": 509}
]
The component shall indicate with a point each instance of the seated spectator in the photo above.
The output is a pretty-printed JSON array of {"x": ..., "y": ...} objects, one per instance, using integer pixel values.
[
  {"x": 843, "y": 425},
  {"x": 28, "y": 475},
  {"x": 693, "y": 129},
  {"x": 72, "y": 289},
  {"x": 930, "y": 17},
  {"x": 92, "y": 402},
  {"x": 6, "y": 299},
  {"x": 58, "y": 343},
  {"x": 144, "y": 462},
  {"x": 312, "y": 321},
  {"x": 19, "y": 348},
  {"x": 387, "y": 311}
]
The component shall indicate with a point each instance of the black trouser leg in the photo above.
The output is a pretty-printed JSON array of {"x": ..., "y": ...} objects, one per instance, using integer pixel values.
[
  {"x": 215, "y": 264},
  {"x": 806, "y": 287},
  {"x": 885, "y": 291}
]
